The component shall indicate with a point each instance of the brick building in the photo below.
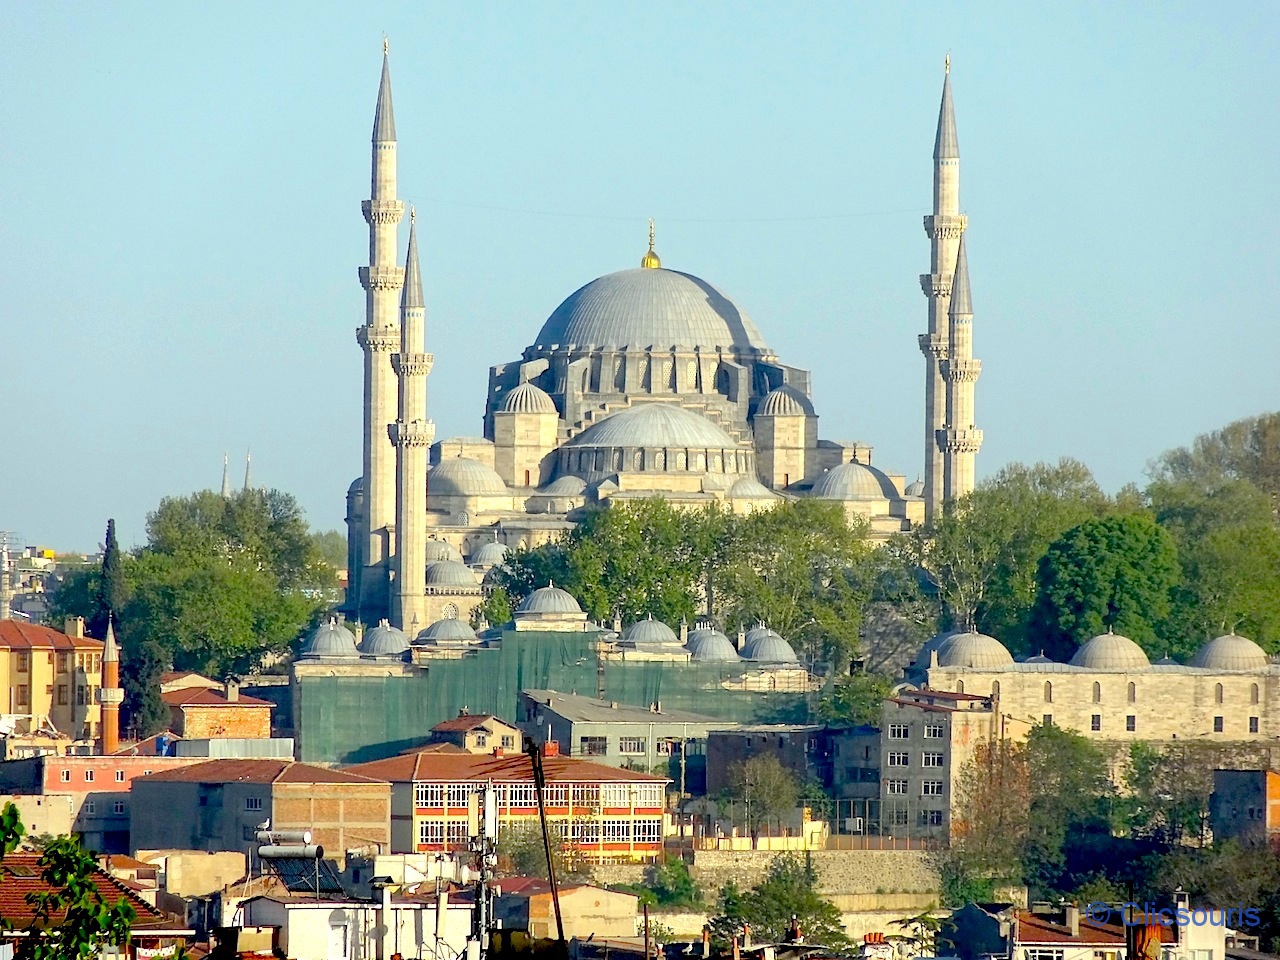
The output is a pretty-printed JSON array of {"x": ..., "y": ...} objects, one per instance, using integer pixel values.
[
  {"x": 50, "y": 679},
  {"x": 197, "y": 712}
]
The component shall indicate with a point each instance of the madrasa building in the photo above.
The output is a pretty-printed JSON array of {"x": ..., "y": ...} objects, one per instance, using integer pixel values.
[{"x": 645, "y": 382}]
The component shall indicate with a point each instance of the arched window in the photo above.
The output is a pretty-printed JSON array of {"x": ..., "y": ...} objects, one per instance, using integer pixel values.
[
  {"x": 959, "y": 686},
  {"x": 1048, "y": 692},
  {"x": 1217, "y": 693},
  {"x": 1253, "y": 694},
  {"x": 1097, "y": 692},
  {"x": 1133, "y": 692},
  {"x": 527, "y": 477},
  {"x": 995, "y": 689}
]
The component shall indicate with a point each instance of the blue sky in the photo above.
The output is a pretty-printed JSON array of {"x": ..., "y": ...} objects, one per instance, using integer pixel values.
[{"x": 182, "y": 226}]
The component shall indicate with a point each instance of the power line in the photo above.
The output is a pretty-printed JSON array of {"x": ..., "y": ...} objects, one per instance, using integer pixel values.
[{"x": 618, "y": 218}]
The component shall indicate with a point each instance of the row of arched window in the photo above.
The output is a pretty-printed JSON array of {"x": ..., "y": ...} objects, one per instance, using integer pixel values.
[{"x": 1131, "y": 692}]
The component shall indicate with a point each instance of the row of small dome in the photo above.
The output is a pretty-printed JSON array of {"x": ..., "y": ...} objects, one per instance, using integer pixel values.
[
  {"x": 706, "y": 644},
  {"x": 486, "y": 555},
  {"x": 784, "y": 401},
  {"x": 334, "y": 639},
  {"x": 1108, "y": 651}
]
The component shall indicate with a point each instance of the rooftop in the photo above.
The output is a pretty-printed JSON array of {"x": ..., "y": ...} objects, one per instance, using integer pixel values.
[
  {"x": 455, "y": 767},
  {"x": 257, "y": 771},
  {"x": 579, "y": 709},
  {"x": 17, "y": 635},
  {"x": 20, "y": 873},
  {"x": 470, "y": 721},
  {"x": 205, "y": 697}
]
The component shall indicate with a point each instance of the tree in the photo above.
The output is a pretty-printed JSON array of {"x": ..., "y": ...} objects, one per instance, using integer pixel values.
[
  {"x": 521, "y": 852},
  {"x": 854, "y": 698},
  {"x": 1247, "y": 449},
  {"x": 495, "y": 610},
  {"x": 989, "y": 828},
  {"x": 1111, "y": 573},
  {"x": 331, "y": 547},
  {"x": 768, "y": 790},
  {"x": 922, "y": 930},
  {"x": 143, "y": 712},
  {"x": 789, "y": 888},
  {"x": 112, "y": 589}
]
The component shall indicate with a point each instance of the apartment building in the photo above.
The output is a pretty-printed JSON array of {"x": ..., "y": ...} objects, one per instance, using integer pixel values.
[{"x": 51, "y": 679}]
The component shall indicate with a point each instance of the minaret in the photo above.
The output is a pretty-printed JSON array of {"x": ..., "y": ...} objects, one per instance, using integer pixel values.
[
  {"x": 411, "y": 434},
  {"x": 379, "y": 337},
  {"x": 226, "y": 479},
  {"x": 110, "y": 695},
  {"x": 944, "y": 227},
  {"x": 961, "y": 439},
  {"x": 248, "y": 464}
]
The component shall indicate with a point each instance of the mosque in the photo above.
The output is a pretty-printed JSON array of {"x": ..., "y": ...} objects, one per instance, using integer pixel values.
[{"x": 645, "y": 382}]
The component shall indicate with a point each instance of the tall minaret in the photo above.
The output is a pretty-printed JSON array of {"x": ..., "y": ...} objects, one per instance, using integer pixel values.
[
  {"x": 411, "y": 434},
  {"x": 226, "y": 480},
  {"x": 110, "y": 695},
  {"x": 960, "y": 439},
  {"x": 379, "y": 337},
  {"x": 944, "y": 227}
]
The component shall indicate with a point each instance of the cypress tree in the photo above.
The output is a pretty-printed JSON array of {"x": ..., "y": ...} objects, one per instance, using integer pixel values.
[{"x": 111, "y": 587}]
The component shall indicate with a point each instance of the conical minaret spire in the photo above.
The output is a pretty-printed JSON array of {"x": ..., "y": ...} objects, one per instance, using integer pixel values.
[
  {"x": 379, "y": 337},
  {"x": 411, "y": 435},
  {"x": 944, "y": 226},
  {"x": 248, "y": 466},
  {"x": 110, "y": 695},
  {"x": 226, "y": 479},
  {"x": 960, "y": 440}
]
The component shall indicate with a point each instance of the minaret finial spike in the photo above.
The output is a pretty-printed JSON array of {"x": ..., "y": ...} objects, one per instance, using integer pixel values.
[
  {"x": 413, "y": 213},
  {"x": 947, "y": 63},
  {"x": 652, "y": 233},
  {"x": 650, "y": 260},
  {"x": 386, "y": 47}
]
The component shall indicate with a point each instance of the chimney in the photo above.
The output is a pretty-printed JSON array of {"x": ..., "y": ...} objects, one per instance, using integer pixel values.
[
  {"x": 613, "y": 704},
  {"x": 233, "y": 691},
  {"x": 74, "y": 628},
  {"x": 551, "y": 748},
  {"x": 1073, "y": 919},
  {"x": 657, "y": 706},
  {"x": 742, "y": 638},
  {"x": 684, "y": 631}
]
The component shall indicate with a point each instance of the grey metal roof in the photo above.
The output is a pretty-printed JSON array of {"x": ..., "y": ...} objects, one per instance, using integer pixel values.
[
  {"x": 649, "y": 308},
  {"x": 489, "y": 554},
  {"x": 579, "y": 709},
  {"x": 464, "y": 477},
  {"x": 384, "y": 640},
  {"x": 655, "y": 426},
  {"x": 711, "y": 646},
  {"x": 749, "y": 488},
  {"x": 961, "y": 298},
  {"x": 1230, "y": 652},
  {"x": 566, "y": 486},
  {"x": 946, "y": 145},
  {"x": 384, "y": 118},
  {"x": 1110, "y": 651},
  {"x": 442, "y": 550},
  {"x": 974, "y": 650},
  {"x": 785, "y": 401},
  {"x": 550, "y": 599},
  {"x": 853, "y": 481},
  {"x": 448, "y": 630},
  {"x": 450, "y": 573},
  {"x": 331, "y": 639},
  {"x": 528, "y": 398},
  {"x": 766, "y": 646},
  {"x": 411, "y": 294},
  {"x": 650, "y": 631}
]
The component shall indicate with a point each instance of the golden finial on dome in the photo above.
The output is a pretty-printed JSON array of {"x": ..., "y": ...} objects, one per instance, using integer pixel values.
[{"x": 650, "y": 260}]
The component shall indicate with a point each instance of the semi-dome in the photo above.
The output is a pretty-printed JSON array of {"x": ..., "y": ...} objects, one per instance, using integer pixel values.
[
  {"x": 649, "y": 308},
  {"x": 1110, "y": 651},
  {"x": 655, "y": 425},
  {"x": 489, "y": 554},
  {"x": 566, "y": 486},
  {"x": 709, "y": 645},
  {"x": 854, "y": 481},
  {"x": 528, "y": 398},
  {"x": 384, "y": 640},
  {"x": 549, "y": 599},
  {"x": 914, "y": 489},
  {"x": 332, "y": 639},
  {"x": 1230, "y": 652},
  {"x": 438, "y": 550},
  {"x": 974, "y": 650},
  {"x": 933, "y": 643},
  {"x": 446, "y": 631},
  {"x": 785, "y": 401},
  {"x": 1039, "y": 658},
  {"x": 450, "y": 573},
  {"x": 650, "y": 631},
  {"x": 749, "y": 488},
  {"x": 464, "y": 477}
]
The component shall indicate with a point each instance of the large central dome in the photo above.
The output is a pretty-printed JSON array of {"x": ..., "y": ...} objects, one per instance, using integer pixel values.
[{"x": 649, "y": 308}]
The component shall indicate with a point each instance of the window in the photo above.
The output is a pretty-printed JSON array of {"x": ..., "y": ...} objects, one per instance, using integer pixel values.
[
  {"x": 899, "y": 731},
  {"x": 898, "y": 818},
  {"x": 80, "y": 696},
  {"x": 648, "y": 794},
  {"x": 959, "y": 689},
  {"x": 119, "y": 776},
  {"x": 1133, "y": 692},
  {"x": 1041, "y": 953},
  {"x": 647, "y": 831},
  {"x": 431, "y": 831},
  {"x": 1253, "y": 693},
  {"x": 899, "y": 759},
  {"x": 1253, "y": 724},
  {"x": 428, "y": 795},
  {"x": 931, "y": 760},
  {"x": 934, "y": 731},
  {"x": 931, "y": 788},
  {"x": 118, "y": 808},
  {"x": 931, "y": 818},
  {"x": 63, "y": 661},
  {"x": 90, "y": 807},
  {"x": 88, "y": 776},
  {"x": 1131, "y": 723},
  {"x": 23, "y": 697},
  {"x": 615, "y": 795},
  {"x": 632, "y": 745},
  {"x": 455, "y": 832},
  {"x": 1047, "y": 719},
  {"x": 594, "y": 746},
  {"x": 481, "y": 740},
  {"x": 253, "y": 804},
  {"x": 557, "y": 795},
  {"x": 1095, "y": 722},
  {"x": 62, "y": 694},
  {"x": 895, "y": 788},
  {"x": 24, "y": 662},
  {"x": 1097, "y": 692},
  {"x": 616, "y": 831},
  {"x": 1217, "y": 693},
  {"x": 49, "y": 689},
  {"x": 1217, "y": 724},
  {"x": 458, "y": 794},
  {"x": 508, "y": 742},
  {"x": 663, "y": 748},
  {"x": 1048, "y": 692},
  {"x": 523, "y": 795},
  {"x": 585, "y": 831}
]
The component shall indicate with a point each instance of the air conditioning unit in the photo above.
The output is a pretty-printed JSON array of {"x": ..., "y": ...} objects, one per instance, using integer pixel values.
[{"x": 853, "y": 825}]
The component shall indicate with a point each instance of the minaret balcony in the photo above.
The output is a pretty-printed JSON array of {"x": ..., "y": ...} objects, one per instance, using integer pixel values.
[
  {"x": 382, "y": 212},
  {"x": 960, "y": 441},
  {"x": 961, "y": 371},
  {"x": 110, "y": 696},
  {"x": 945, "y": 226},
  {"x": 415, "y": 433},
  {"x": 933, "y": 345},
  {"x": 382, "y": 278},
  {"x": 383, "y": 339},
  {"x": 412, "y": 364},
  {"x": 935, "y": 285}
]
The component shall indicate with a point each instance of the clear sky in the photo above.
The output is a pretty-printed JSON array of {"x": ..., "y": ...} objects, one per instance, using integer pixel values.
[{"x": 181, "y": 226}]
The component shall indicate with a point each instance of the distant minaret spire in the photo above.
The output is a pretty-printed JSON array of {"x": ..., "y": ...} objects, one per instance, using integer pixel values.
[
  {"x": 944, "y": 227},
  {"x": 248, "y": 465},
  {"x": 226, "y": 479},
  {"x": 961, "y": 440}
]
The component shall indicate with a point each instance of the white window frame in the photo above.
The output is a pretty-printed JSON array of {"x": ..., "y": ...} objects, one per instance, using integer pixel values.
[
  {"x": 933, "y": 760},
  {"x": 428, "y": 794},
  {"x": 431, "y": 831},
  {"x": 633, "y": 746},
  {"x": 899, "y": 731},
  {"x": 253, "y": 804},
  {"x": 931, "y": 788},
  {"x": 895, "y": 788},
  {"x": 898, "y": 758},
  {"x": 935, "y": 731}
]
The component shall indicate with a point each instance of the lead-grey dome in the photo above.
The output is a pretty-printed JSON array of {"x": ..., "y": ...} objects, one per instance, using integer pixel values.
[
  {"x": 549, "y": 600},
  {"x": 447, "y": 631},
  {"x": 655, "y": 426},
  {"x": 854, "y": 481},
  {"x": 384, "y": 640},
  {"x": 566, "y": 486},
  {"x": 332, "y": 639},
  {"x": 765, "y": 646},
  {"x": 974, "y": 650},
  {"x": 785, "y": 401},
  {"x": 438, "y": 550},
  {"x": 650, "y": 631},
  {"x": 933, "y": 643},
  {"x": 528, "y": 398},
  {"x": 450, "y": 573},
  {"x": 749, "y": 488},
  {"x": 1110, "y": 651},
  {"x": 709, "y": 645},
  {"x": 489, "y": 554},
  {"x": 915, "y": 488},
  {"x": 1230, "y": 652},
  {"x": 649, "y": 308},
  {"x": 464, "y": 477}
]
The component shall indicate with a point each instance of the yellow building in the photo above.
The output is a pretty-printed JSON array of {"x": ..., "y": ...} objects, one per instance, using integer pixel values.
[{"x": 51, "y": 680}]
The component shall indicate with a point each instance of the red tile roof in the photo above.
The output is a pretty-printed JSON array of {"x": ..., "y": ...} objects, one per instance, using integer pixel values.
[
  {"x": 20, "y": 875},
  {"x": 453, "y": 767},
  {"x": 205, "y": 697},
  {"x": 466, "y": 722},
  {"x": 1037, "y": 928},
  {"x": 256, "y": 771},
  {"x": 144, "y": 748},
  {"x": 171, "y": 675},
  {"x": 17, "y": 635}
]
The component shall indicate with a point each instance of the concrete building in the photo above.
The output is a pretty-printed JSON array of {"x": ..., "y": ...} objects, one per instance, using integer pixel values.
[
  {"x": 801, "y": 748},
  {"x": 1245, "y": 806},
  {"x": 482, "y": 733},
  {"x": 51, "y": 680},
  {"x": 219, "y": 804},
  {"x": 605, "y": 813},
  {"x": 644, "y": 382},
  {"x": 524, "y": 903},
  {"x": 199, "y": 713}
]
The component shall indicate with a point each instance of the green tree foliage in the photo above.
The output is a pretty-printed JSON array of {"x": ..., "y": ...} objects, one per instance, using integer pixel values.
[
  {"x": 521, "y": 853},
  {"x": 496, "y": 609},
  {"x": 789, "y": 888},
  {"x": 143, "y": 712},
  {"x": 667, "y": 884},
  {"x": 767, "y": 789},
  {"x": 1246, "y": 450},
  {"x": 112, "y": 589},
  {"x": 1111, "y": 573},
  {"x": 853, "y": 698},
  {"x": 331, "y": 547}
]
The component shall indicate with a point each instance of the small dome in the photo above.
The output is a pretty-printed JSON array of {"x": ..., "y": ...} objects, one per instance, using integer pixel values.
[
  {"x": 384, "y": 640},
  {"x": 711, "y": 646},
  {"x": 1039, "y": 658},
  {"x": 974, "y": 650},
  {"x": 450, "y": 573},
  {"x": 854, "y": 481},
  {"x": 549, "y": 600},
  {"x": 748, "y": 488},
  {"x": 438, "y": 550},
  {"x": 786, "y": 401},
  {"x": 933, "y": 643},
  {"x": 566, "y": 486},
  {"x": 464, "y": 477},
  {"x": 1166, "y": 661},
  {"x": 332, "y": 639},
  {"x": 1230, "y": 652},
  {"x": 915, "y": 489},
  {"x": 769, "y": 647},
  {"x": 1110, "y": 651},
  {"x": 527, "y": 398},
  {"x": 650, "y": 631},
  {"x": 447, "y": 631},
  {"x": 489, "y": 554}
]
